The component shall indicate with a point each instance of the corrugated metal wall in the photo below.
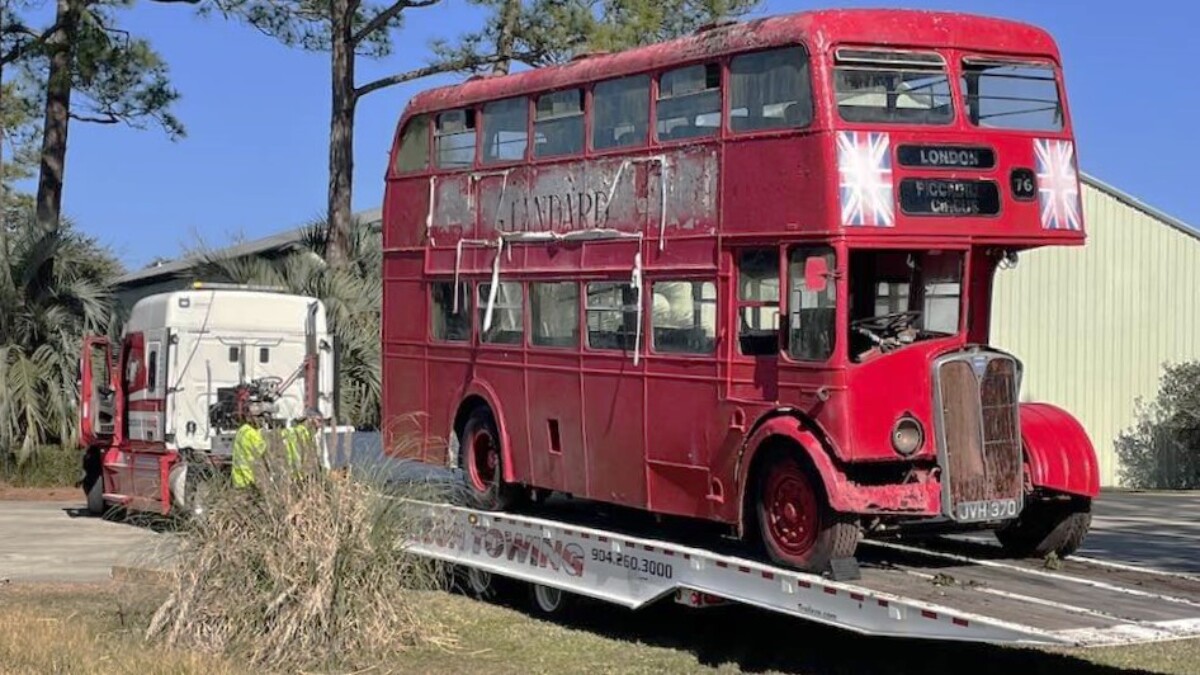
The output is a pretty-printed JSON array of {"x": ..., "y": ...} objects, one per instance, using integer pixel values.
[{"x": 1094, "y": 325}]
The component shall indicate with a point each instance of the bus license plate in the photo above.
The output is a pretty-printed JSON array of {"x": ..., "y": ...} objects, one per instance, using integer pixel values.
[{"x": 998, "y": 509}]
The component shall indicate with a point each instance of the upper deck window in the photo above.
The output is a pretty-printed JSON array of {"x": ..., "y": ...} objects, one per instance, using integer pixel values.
[
  {"x": 689, "y": 102},
  {"x": 1011, "y": 95},
  {"x": 770, "y": 90},
  {"x": 414, "y": 145},
  {"x": 873, "y": 85},
  {"x": 620, "y": 112},
  {"x": 505, "y": 130},
  {"x": 456, "y": 139},
  {"x": 558, "y": 124}
]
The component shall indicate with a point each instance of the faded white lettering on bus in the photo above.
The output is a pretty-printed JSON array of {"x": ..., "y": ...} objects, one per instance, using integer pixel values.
[{"x": 554, "y": 212}]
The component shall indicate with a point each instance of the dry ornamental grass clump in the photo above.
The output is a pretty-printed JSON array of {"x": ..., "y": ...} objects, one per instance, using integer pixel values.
[{"x": 301, "y": 570}]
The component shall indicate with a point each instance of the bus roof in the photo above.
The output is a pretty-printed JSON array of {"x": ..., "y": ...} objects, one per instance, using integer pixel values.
[{"x": 819, "y": 30}]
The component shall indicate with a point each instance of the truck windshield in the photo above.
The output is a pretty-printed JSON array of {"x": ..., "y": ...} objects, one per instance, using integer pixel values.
[
  {"x": 873, "y": 85},
  {"x": 901, "y": 297}
]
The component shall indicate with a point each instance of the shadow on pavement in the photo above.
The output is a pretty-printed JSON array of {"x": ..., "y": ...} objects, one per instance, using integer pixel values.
[{"x": 758, "y": 641}]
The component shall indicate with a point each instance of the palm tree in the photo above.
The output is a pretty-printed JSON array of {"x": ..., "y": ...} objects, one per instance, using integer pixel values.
[
  {"x": 351, "y": 293},
  {"x": 55, "y": 286}
]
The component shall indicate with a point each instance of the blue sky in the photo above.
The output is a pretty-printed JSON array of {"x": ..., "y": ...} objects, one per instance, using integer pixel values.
[{"x": 255, "y": 158}]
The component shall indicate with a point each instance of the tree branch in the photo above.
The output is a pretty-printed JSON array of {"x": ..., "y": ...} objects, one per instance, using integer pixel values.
[
  {"x": 19, "y": 51},
  {"x": 435, "y": 69},
  {"x": 381, "y": 19},
  {"x": 108, "y": 118}
]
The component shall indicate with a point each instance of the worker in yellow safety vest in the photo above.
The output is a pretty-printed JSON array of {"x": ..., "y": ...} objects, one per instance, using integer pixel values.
[{"x": 248, "y": 446}]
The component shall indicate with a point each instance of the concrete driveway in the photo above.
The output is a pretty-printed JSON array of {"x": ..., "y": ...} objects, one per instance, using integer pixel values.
[
  {"x": 57, "y": 541},
  {"x": 41, "y": 541},
  {"x": 1160, "y": 529}
]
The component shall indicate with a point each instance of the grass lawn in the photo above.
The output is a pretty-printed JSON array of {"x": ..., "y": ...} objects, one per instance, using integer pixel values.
[{"x": 93, "y": 629}]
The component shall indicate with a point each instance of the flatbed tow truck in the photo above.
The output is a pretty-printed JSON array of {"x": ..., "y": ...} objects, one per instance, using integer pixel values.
[{"x": 941, "y": 589}]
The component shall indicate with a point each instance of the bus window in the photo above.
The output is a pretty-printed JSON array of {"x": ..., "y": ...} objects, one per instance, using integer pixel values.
[
  {"x": 620, "y": 112},
  {"x": 811, "y": 314},
  {"x": 689, "y": 103},
  {"x": 758, "y": 302},
  {"x": 504, "y": 130},
  {"x": 901, "y": 297},
  {"x": 446, "y": 323},
  {"x": 508, "y": 325},
  {"x": 558, "y": 124},
  {"x": 554, "y": 309},
  {"x": 1007, "y": 95},
  {"x": 874, "y": 85},
  {"x": 456, "y": 139},
  {"x": 770, "y": 90},
  {"x": 684, "y": 317},
  {"x": 612, "y": 315},
  {"x": 414, "y": 145}
]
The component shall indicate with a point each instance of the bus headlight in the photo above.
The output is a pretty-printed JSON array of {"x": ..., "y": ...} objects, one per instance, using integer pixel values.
[{"x": 907, "y": 436}]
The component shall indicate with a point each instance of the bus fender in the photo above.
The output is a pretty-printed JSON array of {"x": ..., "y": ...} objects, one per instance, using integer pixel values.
[
  {"x": 1059, "y": 456},
  {"x": 793, "y": 430},
  {"x": 478, "y": 389}
]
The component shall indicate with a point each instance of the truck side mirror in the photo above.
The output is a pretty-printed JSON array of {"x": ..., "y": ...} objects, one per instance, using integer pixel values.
[{"x": 816, "y": 273}]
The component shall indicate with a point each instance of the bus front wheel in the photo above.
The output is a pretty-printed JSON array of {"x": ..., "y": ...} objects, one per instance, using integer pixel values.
[
  {"x": 481, "y": 459},
  {"x": 797, "y": 527}
]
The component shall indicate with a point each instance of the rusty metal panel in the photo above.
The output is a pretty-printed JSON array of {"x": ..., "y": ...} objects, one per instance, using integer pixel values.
[
  {"x": 619, "y": 193},
  {"x": 1001, "y": 430},
  {"x": 963, "y": 435}
]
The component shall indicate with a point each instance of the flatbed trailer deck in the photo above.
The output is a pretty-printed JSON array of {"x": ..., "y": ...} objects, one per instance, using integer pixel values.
[{"x": 945, "y": 589}]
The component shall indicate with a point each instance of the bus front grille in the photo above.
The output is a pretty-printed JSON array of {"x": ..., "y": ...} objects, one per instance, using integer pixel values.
[{"x": 979, "y": 440}]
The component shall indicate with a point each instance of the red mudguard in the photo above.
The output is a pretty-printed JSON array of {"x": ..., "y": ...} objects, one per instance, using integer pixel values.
[{"x": 1060, "y": 457}]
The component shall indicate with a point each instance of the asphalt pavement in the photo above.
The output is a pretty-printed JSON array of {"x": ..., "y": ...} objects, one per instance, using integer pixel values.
[{"x": 59, "y": 542}]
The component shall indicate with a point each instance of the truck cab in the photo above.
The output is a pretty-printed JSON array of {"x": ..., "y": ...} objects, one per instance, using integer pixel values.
[{"x": 167, "y": 395}]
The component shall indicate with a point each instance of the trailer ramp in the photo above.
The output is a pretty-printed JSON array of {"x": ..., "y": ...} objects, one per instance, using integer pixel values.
[{"x": 905, "y": 591}]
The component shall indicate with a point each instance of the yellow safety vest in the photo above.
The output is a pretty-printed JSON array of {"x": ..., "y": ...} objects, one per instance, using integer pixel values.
[
  {"x": 248, "y": 446},
  {"x": 294, "y": 438}
]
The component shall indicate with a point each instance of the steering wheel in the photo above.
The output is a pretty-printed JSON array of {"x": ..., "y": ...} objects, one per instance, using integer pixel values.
[{"x": 893, "y": 322}]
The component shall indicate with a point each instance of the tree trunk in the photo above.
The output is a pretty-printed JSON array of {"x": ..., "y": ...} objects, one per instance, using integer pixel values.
[
  {"x": 58, "y": 108},
  {"x": 341, "y": 135},
  {"x": 506, "y": 36}
]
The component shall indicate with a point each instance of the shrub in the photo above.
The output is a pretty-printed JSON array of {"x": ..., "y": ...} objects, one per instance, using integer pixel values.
[
  {"x": 48, "y": 466},
  {"x": 1162, "y": 450},
  {"x": 300, "y": 571}
]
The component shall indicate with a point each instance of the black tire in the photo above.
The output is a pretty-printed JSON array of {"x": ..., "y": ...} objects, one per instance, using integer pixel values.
[
  {"x": 93, "y": 484},
  {"x": 549, "y": 601},
  {"x": 1047, "y": 527},
  {"x": 795, "y": 524},
  {"x": 481, "y": 459}
]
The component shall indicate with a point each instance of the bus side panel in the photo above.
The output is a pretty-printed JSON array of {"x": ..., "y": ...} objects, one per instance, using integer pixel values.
[
  {"x": 408, "y": 420},
  {"x": 612, "y": 421},
  {"x": 682, "y": 428},
  {"x": 503, "y": 371},
  {"x": 781, "y": 183},
  {"x": 406, "y": 206},
  {"x": 557, "y": 454}
]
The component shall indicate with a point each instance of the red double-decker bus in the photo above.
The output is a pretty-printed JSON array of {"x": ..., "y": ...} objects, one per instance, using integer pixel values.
[{"x": 743, "y": 276}]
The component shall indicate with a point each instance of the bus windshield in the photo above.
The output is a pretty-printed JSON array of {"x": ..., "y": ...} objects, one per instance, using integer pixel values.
[
  {"x": 901, "y": 297},
  {"x": 1011, "y": 95},
  {"x": 892, "y": 87}
]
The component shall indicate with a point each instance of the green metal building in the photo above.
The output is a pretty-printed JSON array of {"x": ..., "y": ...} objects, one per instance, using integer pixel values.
[{"x": 1094, "y": 325}]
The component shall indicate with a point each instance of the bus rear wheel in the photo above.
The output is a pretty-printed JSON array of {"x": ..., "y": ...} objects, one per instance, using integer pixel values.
[
  {"x": 796, "y": 525},
  {"x": 481, "y": 459}
]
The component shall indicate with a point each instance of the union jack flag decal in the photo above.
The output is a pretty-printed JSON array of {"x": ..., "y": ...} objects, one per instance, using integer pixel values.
[
  {"x": 865, "y": 178},
  {"x": 1058, "y": 185}
]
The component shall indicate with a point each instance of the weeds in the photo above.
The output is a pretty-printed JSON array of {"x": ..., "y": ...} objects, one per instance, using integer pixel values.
[{"x": 301, "y": 570}]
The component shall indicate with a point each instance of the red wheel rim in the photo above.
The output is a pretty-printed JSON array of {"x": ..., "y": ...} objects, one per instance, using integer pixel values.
[
  {"x": 484, "y": 460},
  {"x": 790, "y": 508}
]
